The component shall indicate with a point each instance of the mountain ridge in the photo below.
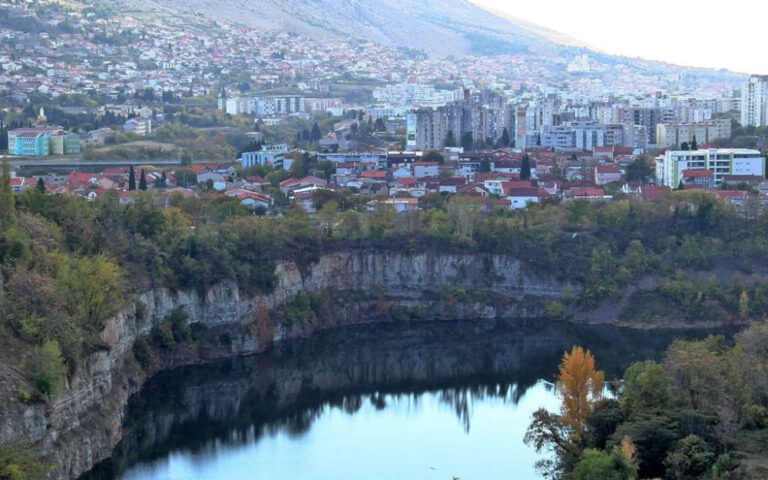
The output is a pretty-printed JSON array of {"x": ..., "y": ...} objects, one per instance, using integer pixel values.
[{"x": 438, "y": 27}]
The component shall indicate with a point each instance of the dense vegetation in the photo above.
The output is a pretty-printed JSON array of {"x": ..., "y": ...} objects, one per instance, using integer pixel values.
[
  {"x": 67, "y": 264},
  {"x": 702, "y": 413}
]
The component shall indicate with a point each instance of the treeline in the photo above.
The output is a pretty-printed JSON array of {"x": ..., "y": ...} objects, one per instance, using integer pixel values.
[
  {"x": 699, "y": 414},
  {"x": 67, "y": 264}
]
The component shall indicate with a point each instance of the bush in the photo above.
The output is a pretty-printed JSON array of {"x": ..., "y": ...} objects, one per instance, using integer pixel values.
[
  {"x": 46, "y": 369},
  {"x": 598, "y": 465},
  {"x": 143, "y": 352},
  {"x": 691, "y": 459},
  {"x": 20, "y": 464}
]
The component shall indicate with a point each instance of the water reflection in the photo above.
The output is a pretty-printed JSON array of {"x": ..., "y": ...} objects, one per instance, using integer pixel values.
[{"x": 368, "y": 402}]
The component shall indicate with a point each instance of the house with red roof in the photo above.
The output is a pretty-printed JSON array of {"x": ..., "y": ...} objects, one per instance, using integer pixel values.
[
  {"x": 250, "y": 198},
  {"x": 521, "y": 197},
  {"x": 605, "y": 174},
  {"x": 698, "y": 178}
]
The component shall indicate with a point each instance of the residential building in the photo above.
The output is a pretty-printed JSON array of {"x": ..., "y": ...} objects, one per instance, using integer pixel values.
[
  {"x": 42, "y": 141},
  {"x": 425, "y": 169},
  {"x": 605, "y": 174},
  {"x": 672, "y": 135},
  {"x": 722, "y": 162},
  {"x": 140, "y": 126},
  {"x": 268, "y": 155},
  {"x": 754, "y": 101}
]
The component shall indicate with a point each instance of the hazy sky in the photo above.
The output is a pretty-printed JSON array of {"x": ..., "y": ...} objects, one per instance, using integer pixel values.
[{"x": 703, "y": 33}]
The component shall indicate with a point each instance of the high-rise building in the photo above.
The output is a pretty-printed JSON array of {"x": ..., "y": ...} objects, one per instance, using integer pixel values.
[
  {"x": 754, "y": 101},
  {"x": 672, "y": 135}
]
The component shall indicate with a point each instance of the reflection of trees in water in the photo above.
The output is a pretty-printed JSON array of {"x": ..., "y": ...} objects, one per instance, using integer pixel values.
[{"x": 232, "y": 403}]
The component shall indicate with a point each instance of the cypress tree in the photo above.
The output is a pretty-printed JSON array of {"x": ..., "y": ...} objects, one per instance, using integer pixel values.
[
  {"x": 131, "y": 179},
  {"x": 694, "y": 144},
  {"x": 41, "y": 185},
  {"x": 450, "y": 140},
  {"x": 525, "y": 168},
  {"x": 142, "y": 181},
  {"x": 316, "y": 135},
  {"x": 505, "y": 138},
  {"x": 7, "y": 203}
]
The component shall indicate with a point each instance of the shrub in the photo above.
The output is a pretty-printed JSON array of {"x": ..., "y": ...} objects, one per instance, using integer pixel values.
[
  {"x": 143, "y": 352},
  {"x": 46, "y": 369}
]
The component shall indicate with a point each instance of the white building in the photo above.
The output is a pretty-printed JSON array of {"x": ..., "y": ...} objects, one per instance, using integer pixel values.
[
  {"x": 754, "y": 101},
  {"x": 140, "y": 126},
  {"x": 672, "y": 135},
  {"x": 670, "y": 166}
]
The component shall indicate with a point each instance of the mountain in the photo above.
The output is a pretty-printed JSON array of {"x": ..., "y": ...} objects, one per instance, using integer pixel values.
[{"x": 437, "y": 27}]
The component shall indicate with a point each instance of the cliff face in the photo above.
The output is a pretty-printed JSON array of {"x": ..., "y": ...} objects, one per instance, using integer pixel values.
[{"x": 82, "y": 426}]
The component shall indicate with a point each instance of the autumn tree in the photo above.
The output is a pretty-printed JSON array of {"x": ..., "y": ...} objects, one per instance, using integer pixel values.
[{"x": 580, "y": 386}]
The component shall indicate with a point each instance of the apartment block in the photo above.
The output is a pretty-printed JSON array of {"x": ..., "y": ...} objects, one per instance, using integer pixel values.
[
  {"x": 672, "y": 135},
  {"x": 671, "y": 166}
]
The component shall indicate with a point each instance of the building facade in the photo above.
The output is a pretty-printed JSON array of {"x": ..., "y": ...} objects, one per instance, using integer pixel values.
[
  {"x": 672, "y": 135},
  {"x": 42, "y": 141},
  {"x": 754, "y": 101},
  {"x": 671, "y": 166}
]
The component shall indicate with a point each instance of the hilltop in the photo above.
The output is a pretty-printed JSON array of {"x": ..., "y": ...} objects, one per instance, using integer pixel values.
[{"x": 437, "y": 27}]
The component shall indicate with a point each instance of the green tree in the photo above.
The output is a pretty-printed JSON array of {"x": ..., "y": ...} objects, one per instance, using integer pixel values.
[
  {"x": 142, "y": 181},
  {"x": 598, "y": 465},
  {"x": 450, "y": 140},
  {"x": 694, "y": 144},
  {"x": 7, "y": 201},
  {"x": 316, "y": 135},
  {"x": 690, "y": 460},
  {"x": 41, "y": 185},
  {"x": 505, "y": 140},
  {"x": 639, "y": 170},
  {"x": 93, "y": 287},
  {"x": 525, "y": 168},
  {"x": 433, "y": 156},
  {"x": 47, "y": 369},
  {"x": 131, "y": 179},
  {"x": 467, "y": 142}
]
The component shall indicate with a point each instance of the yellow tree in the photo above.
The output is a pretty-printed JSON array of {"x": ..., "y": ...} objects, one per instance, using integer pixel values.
[{"x": 580, "y": 386}]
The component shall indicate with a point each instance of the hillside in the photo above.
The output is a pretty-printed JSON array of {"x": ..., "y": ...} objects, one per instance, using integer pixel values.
[{"x": 438, "y": 27}]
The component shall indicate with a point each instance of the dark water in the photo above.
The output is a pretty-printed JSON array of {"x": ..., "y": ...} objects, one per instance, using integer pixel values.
[{"x": 399, "y": 401}]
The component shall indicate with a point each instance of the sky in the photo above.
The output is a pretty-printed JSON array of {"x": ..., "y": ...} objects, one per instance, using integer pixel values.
[{"x": 700, "y": 33}]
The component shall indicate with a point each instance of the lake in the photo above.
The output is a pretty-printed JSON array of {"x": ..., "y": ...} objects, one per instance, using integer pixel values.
[{"x": 408, "y": 401}]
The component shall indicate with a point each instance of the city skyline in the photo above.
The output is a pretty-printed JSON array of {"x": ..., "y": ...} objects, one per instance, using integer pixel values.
[{"x": 671, "y": 39}]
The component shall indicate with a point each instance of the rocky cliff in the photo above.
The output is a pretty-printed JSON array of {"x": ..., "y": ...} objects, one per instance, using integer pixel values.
[{"x": 81, "y": 427}]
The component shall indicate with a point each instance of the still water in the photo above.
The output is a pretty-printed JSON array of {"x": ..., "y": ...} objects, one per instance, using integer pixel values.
[{"x": 404, "y": 401}]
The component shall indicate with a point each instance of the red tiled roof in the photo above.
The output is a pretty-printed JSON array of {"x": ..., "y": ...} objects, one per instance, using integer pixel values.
[
  {"x": 698, "y": 173},
  {"x": 607, "y": 169},
  {"x": 380, "y": 175},
  {"x": 522, "y": 192},
  {"x": 587, "y": 192},
  {"x": 653, "y": 193}
]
